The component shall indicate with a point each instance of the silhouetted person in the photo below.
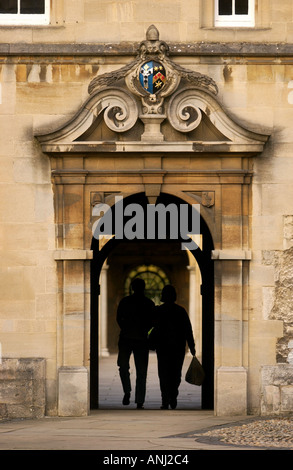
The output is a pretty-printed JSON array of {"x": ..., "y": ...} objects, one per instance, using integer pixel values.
[
  {"x": 173, "y": 331},
  {"x": 135, "y": 315}
]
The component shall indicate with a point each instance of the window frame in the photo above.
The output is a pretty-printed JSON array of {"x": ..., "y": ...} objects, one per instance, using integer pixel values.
[
  {"x": 22, "y": 19},
  {"x": 235, "y": 20}
]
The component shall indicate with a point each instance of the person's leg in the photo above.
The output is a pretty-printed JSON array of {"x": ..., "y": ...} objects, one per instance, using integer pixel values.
[
  {"x": 163, "y": 378},
  {"x": 123, "y": 364},
  {"x": 175, "y": 377},
  {"x": 141, "y": 359}
]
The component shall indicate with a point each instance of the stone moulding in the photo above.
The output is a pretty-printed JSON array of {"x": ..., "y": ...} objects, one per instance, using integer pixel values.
[
  {"x": 231, "y": 49},
  {"x": 117, "y": 106},
  {"x": 183, "y": 112},
  {"x": 121, "y": 112},
  {"x": 63, "y": 255},
  {"x": 183, "y": 102},
  {"x": 238, "y": 140},
  {"x": 231, "y": 255}
]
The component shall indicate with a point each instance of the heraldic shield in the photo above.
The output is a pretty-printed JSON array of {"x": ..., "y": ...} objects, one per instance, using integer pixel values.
[{"x": 152, "y": 76}]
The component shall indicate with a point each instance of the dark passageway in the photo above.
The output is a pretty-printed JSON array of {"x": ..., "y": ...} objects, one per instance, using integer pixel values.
[{"x": 101, "y": 374}]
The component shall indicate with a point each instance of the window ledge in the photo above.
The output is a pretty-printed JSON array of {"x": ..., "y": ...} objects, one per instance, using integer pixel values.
[
  {"x": 35, "y": 26},
  {"x": 229, "y": 28}
]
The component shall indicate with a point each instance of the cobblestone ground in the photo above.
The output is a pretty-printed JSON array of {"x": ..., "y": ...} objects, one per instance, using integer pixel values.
[{"x": 271, "y": 433}]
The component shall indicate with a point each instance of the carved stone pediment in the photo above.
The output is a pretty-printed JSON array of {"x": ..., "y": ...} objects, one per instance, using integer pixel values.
[
  {"x": 152, "y": 104},
  {"x": 153, "y": 75}
]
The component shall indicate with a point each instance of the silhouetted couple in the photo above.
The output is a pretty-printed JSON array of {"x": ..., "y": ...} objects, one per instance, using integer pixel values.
[{"x": 136, "y": 316}]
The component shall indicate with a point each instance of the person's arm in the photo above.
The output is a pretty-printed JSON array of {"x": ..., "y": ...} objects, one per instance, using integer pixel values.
[
  {"x": 189, "y": 335},
  {"x": 152, "y": 314},
  {"x": 120, "y": 317}
]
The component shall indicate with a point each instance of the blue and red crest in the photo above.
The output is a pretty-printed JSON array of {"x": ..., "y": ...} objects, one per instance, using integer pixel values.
[{"x": 152, "y": 76}]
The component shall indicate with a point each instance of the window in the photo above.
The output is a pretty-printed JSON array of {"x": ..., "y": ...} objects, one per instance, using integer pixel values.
[
  {"x": 234, "y": 13},
  {"x": 24, "y": 12},
  {"x": 154, "y": 277}
]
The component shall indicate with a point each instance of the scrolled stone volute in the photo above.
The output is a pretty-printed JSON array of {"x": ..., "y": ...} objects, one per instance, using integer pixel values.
[
  {"x": 120, "y": 110},
  {"x": 183, "y": 112}
]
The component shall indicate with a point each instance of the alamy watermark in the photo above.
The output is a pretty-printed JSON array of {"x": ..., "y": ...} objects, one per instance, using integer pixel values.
[{"x": 155, "y": 221}]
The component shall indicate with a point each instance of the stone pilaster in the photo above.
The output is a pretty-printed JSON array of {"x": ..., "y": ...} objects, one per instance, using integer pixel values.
[{"x": 230, "y": 337}]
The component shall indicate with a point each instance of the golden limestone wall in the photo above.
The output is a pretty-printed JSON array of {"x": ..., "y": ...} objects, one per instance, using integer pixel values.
[
  {"x": 90, "y": 21},
  {"x": 44, "y": 90},
  {"x": 32, "y": 95}
]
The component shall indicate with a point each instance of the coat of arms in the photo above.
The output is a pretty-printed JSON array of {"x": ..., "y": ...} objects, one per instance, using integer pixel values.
[{"x": 152, "y": 76}]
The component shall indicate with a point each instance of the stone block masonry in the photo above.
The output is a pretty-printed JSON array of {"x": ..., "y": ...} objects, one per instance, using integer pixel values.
[
  {"x": 22, "y": 388},
  {"x": 277, "y": 389}
]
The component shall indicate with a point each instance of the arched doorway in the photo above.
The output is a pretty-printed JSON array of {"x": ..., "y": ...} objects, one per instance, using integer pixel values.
[
  {"x": 169, "y": 256},
  {"x": 180, "y": 141}
]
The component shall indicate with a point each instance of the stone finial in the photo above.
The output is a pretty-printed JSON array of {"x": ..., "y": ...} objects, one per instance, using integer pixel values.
[
  {"x": 152, "y": 46},
  {"x": 152, "y": 33}
]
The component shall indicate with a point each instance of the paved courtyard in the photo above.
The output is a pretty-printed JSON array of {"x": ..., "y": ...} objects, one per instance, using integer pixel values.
[
  {"x": 117, "y": 428},
  {"x": 111, "y": 394}
]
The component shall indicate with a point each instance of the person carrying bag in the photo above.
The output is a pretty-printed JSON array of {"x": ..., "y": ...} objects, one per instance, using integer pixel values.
[{"x": 172, "y": 330}]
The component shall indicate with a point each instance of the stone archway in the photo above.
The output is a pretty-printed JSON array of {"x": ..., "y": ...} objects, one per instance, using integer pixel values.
[
  {"x": 169, "y": 255},
  {"x": 178, "y": 140}
]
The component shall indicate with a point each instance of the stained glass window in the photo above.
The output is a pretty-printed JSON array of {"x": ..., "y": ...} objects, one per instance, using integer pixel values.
[{"x": 154, "y": 277}]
